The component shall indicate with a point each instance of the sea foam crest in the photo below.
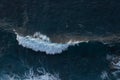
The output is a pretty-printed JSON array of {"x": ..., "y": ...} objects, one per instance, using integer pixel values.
[
  {"x": 31, "y": 75},
  {"x": 40, "y": 42}
]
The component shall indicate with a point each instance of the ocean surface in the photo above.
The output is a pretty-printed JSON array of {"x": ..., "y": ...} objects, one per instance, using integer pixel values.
[{"x": 59, "y": 40}]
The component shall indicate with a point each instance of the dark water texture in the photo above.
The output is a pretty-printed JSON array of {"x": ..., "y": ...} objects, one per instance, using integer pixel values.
[
  {"x": 83, "y": 62},
  {"x": 87, "y": 17},
  {"x": 76, "y": 17}
]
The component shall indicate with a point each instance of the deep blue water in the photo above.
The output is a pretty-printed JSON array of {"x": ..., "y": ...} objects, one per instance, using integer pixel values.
[{"x": 85, "y": 61}]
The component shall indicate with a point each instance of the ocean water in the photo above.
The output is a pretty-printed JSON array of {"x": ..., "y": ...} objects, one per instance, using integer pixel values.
[{"x": 59, "y": 40}]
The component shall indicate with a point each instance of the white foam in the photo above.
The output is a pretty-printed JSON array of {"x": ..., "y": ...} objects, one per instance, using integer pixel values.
[
  {"x": 115, "y": 61},
  {"x": 40, "y": 42},
  {"x": 31, "y": 75},
  {"x": 104, "y": 76},
  {"x": 115, "y": 65}
]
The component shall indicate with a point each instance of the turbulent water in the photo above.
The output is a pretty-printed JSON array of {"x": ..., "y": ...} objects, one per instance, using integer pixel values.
[{"x": 59, "y": 40}]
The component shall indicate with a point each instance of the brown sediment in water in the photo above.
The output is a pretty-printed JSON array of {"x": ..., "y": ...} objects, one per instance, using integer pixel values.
[{"x": 63, "y": 38}]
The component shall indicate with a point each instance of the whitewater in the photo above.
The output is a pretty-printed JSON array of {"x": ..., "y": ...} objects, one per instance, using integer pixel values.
[
  {"x": 40, "y": 42},
  {"x": 31, "y": 75}
]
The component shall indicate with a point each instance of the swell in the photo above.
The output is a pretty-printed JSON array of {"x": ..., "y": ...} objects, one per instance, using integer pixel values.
[
  {"x": 56, "y": 44},
  {"x": 113, "y": 60}
]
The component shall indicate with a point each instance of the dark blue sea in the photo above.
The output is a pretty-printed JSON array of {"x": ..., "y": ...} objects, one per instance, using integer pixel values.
[{"x": 59, "y": 40}]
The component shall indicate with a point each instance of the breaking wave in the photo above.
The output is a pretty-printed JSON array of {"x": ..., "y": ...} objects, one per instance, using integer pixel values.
[
  {"x": 105, "y": 76},
  {"x": 114, "y": 68},
  {"x": 31, "y": 75},
  {"x": 40, "y": 42}
]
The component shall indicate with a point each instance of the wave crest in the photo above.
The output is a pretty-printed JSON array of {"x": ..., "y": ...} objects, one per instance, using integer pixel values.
[{"x": 40, "y": 42}]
